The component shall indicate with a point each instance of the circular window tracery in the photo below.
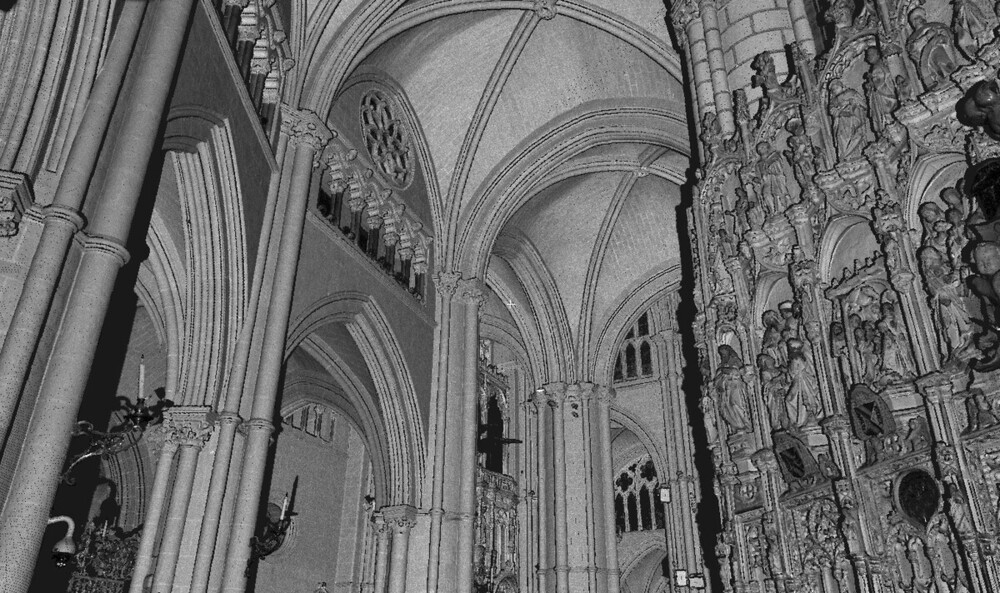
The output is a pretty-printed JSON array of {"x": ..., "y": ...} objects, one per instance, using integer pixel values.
[{"x": 386, "y": 139}]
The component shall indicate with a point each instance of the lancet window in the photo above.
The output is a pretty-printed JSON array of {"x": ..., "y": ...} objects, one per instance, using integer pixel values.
[
  {"x": 312, "y": 419},
  {"x": 637, "y": 502},
  {"x": 635, "y": 355}
]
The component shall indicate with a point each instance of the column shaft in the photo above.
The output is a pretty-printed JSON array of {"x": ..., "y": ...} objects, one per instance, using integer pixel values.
[
  {"x": 400, "y": 552},
  {"x": 717, "y": 64},
  {"x": 472, "y": 295},
  {"x": 541, "y": 466},
  {"x": 62, "y": 218},
  {"x": 229, "y": 417},
  {"x": 800, "y": 27},
  {"x": 151, "y": 524},
  {"x": 311, "y": 136},
  {"x": 559, "y": 488},
  {"x": 445, "y": 285},
  {"x": 382, "y": 556},
  {"x": 611, "y": 539},
  {"x": 173, "y": 529},
  {"x": 36, "y": 478}
]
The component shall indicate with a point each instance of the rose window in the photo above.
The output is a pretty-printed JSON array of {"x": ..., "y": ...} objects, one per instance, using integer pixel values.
[{"x": 386, "y": 139}]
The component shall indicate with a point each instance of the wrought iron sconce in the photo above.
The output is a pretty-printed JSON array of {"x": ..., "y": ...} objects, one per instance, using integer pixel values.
[
  {"x": 64, "y": 551},
  {"x": 274, "y": 531},
  {"x": 138, "y": 417}
]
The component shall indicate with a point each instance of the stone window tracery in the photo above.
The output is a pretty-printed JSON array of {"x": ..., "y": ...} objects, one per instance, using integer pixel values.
[
  {"x": 386, "y": 139},
  {"x": 312, "y": 419},
  {"x": 635, "y": 355},
  {"x": 637, "y": 504}
]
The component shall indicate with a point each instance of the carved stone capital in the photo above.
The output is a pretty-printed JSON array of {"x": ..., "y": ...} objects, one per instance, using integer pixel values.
[
  {"x": 400, "y": 517},
  {"x": 555, "y": 394},
  {"x": 605, "y": 395},
  {"x": 189, "y": 426},
  {"x": 16, "y": 196},
  {"x": 446, "y": 283},
  {"x": 683, "y": 13},
  {"x": 471, "y": 291},
  {"x": 304, "y": 126}
]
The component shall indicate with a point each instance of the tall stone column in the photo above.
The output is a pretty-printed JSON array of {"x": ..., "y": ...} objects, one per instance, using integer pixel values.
[
  {"x": 154, "y": 511},
  {"x": 686, "y": 16},
  {"x": 584, "y": 560},
  {"x": 214, "y": 529},
  {"x": 682, "y": 544},
  {"x": 801, "y": 28},
  {"x": 400, "y": 519},
  {"x": 540, "y": 403},
  {"x": 307, "y": 135},
  {"x": 605, "y": 396},
  {"x": 62, "y": 218},
  {"x": 445, "y": 284},
  {"x": 34, "y": 483},
  {"x": 383, "y": 534},
  {"x": 471, "y": 294},
  {"x": 717, "y": 66},
  {"x": 190, "y": 428}
]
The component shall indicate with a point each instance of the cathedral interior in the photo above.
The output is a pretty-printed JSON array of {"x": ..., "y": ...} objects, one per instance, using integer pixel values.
[{"x": 500, "y": 296}]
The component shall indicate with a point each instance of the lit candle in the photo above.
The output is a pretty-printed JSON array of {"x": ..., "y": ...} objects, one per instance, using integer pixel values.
[
  {"x": 284, "y": 507},
  {"x": 142, "y": 378}
]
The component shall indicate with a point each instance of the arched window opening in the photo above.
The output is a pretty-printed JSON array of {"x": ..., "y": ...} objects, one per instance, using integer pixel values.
[
  {"x": 619, "y": 514},
  {"x": 630, "y": 369},
  {"x": 635, "y": 354},
  {"x": 637, "y": 501},
  {"x": 645, "y": 508},
  {"x": 642, "y": 326}
]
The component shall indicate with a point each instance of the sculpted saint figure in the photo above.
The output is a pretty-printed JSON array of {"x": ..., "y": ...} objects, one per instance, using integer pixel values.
[
  {"x": 802, "y": 400},
  {"x": 946, "y": 298},
  {"x": 774, "y": 382},
  {"x": 931, "y": 48},
  {"x": 773, "y": 183},
  {"x": 732, "y": 390},
  {"x": 847, "y": 107},
  {"x": 896, "y": 356},
  {"x": 880, "y": 87}
]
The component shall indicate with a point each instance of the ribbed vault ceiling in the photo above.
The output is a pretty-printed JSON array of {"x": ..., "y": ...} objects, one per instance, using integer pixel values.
[{"x": 489, "y": 81}]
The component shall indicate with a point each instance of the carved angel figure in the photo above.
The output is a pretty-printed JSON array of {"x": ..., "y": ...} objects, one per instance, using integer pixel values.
[
  {"x": 847, "y": 107},
  {"x": 732, "y": 390},
  {"x": 931, "y": 48}
]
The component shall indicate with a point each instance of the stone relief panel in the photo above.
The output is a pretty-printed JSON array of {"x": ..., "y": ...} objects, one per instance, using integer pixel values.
[{"x": 852, "y": 417}]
